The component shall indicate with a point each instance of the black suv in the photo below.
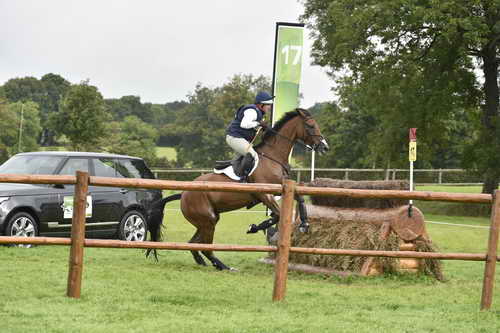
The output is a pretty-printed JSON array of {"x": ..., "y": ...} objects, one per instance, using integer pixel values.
[{"x": 46, "y": 210}]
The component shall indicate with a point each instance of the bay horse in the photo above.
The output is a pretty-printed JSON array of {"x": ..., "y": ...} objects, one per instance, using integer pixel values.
[{"x": 203, "y": 209}]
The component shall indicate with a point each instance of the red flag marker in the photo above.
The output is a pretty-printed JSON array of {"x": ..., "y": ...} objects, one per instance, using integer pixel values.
[{"x": 413, "y": 134}]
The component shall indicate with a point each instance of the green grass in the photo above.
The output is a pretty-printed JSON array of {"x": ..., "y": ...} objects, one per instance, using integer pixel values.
[
  {"x": 122, "y": 291},
  {"x": 449, "y": 188},
  {"x": 451, "y": 208},
  {"x": 168, "y": 152}
]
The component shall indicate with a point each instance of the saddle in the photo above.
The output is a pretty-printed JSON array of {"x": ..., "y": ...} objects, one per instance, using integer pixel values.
[{"x": 241, "y": 166}]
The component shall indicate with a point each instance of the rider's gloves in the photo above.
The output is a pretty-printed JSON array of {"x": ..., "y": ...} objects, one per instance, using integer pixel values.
[{"x": 263, "y": 124}]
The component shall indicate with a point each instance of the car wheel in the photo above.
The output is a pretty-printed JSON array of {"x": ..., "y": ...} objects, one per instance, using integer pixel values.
[
  {"x": 133, "y": 227},
  {"x": 22, "y": 225}
]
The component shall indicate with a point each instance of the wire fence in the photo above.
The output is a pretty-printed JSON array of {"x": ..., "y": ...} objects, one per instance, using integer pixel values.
[{"x": 421, "y": 176}]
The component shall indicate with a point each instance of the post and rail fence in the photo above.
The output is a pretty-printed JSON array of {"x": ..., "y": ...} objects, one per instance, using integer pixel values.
[
  {"x": 288, "y": 189},
  {"x": 422, "y": 176}
]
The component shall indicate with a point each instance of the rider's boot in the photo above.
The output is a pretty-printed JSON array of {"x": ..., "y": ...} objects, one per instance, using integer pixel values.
[{"x": 246, "y": 166}]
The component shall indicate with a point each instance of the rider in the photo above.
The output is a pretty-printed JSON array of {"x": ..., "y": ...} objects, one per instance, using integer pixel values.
[{"x": 242, "y": 130}]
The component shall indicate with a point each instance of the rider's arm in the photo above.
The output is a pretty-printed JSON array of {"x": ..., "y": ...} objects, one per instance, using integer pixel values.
[{"x": 249, "y": 119}]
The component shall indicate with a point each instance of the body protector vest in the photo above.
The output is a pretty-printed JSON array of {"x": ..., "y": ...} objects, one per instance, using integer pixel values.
[{"x": 235, "y": 130}]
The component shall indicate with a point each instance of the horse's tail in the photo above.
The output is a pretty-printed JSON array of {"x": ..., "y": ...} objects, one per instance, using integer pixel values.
[{"x": 155, "y": 220}]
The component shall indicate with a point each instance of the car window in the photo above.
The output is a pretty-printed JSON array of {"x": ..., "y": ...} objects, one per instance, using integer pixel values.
[
  {"x": 31, "y": 165},
  {"x": 73, "y": 165},
  {"x": 132, "y": 169},
  {"x": 104, "y": 167}
]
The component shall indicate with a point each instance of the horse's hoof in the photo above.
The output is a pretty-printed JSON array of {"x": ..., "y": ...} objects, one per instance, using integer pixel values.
[{"x": 232, "y": 269}]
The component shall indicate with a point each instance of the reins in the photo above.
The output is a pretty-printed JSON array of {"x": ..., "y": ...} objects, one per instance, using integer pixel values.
[{"x": 290, "y": 140}]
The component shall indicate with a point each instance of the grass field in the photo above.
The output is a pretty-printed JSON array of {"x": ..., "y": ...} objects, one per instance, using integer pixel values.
[
  {"x": 168, "y": 152},
  {"x": 124, "y": 292},
  {"x": 449, "y": 188}
]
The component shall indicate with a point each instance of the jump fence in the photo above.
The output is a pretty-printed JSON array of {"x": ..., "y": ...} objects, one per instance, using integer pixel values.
[{"x": 288, "y": 189}]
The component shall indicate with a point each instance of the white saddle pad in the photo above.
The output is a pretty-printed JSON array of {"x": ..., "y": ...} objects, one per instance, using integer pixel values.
[{"x": 229, "y": 171}]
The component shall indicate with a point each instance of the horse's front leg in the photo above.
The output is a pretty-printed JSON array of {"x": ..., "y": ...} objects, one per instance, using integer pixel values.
[{"x": 304, "y": 223}]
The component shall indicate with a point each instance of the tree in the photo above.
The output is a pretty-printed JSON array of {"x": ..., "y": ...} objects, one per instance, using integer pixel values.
[
  {"x": 55, "y": 87},
  {"x": 11, "y": 131},
  {"x": 8, "y": 130},
  {"x": 28, "y": 125},
  {"x": 46, "y": 92},
  {"x": 130, "y": 106},
  {"x": 202, "y": 124},
  {"x": 133, "y": 137},
  {"x": 420, "y": 55},
  {"x": 82, "y": 117}
]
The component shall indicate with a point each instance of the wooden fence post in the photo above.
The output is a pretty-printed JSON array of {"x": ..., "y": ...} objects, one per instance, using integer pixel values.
[
  {"x": 491, "y": 256},
  {"x": 77, "y": 235},
  {"x": 285, "y": 232}
]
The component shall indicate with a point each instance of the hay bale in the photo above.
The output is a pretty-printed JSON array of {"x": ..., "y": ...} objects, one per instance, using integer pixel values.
[
  {"x": 363, "y": 229},
  {"x": 401, "y": 185},
  {"x": 327, "y": 233}
]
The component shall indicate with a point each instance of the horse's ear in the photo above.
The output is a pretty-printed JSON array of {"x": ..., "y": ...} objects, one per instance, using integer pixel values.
[{"x": 303, "y": 113}]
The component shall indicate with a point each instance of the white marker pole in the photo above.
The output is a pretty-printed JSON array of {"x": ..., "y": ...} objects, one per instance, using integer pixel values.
[
  {"x": 412, "y": 156},
  {"x": 313, "y": 155}
]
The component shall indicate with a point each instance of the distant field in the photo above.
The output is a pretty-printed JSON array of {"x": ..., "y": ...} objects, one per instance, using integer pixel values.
[
  {"x": 449, "y": 188},
  {"x": 167, "y": 152},
  {"x": 53, "y": 148}
]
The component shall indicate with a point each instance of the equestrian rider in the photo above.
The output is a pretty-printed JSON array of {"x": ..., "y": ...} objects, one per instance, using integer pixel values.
[{"x": 242, "y": 130}]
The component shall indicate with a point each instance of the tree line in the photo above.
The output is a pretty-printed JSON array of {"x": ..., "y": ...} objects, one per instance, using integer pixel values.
[{"x": 77, "y": 115}]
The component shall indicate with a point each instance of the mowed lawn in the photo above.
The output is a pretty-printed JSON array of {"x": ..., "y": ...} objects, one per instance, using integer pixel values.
[{"x": 124, "y": 292}]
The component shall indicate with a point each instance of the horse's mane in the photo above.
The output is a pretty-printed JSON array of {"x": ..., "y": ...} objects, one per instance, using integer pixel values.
[{"x": 280, "y": 123}]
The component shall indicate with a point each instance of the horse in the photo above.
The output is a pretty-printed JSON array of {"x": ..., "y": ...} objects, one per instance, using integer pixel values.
[{"x": 203, "y": 209}]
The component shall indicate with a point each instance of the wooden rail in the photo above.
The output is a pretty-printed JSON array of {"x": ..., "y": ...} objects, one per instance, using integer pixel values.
[
  {"x": 111, "y": 243},
  {"x": 288, "y": 189}
]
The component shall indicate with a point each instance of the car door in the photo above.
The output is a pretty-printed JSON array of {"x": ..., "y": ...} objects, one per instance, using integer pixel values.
[
  {"x": 108, "y": 201},
  {"x": 70, "y": 167}
]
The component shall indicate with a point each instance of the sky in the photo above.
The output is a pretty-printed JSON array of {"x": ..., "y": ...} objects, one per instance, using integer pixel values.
[{"x": 158, "y": 50}]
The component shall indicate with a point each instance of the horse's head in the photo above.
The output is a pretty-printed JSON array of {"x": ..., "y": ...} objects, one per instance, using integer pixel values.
[{"x": 310, "y": 133}]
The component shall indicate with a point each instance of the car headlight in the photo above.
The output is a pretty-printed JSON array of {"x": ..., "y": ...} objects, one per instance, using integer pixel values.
[{"x": 2, "y": 199}]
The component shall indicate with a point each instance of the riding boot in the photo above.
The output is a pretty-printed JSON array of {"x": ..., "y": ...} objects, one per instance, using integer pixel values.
[{"x": 244, "y": 177}]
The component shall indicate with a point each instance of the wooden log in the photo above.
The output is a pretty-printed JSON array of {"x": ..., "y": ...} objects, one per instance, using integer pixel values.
[
  {"x": 490, "y": 265},
  {"x": 407, "y": 228},
  {"x": 187, "y": 186},
  {"x": 409, "y": 263},
  {"x": 77, "y": 235},
  {"x": 285, "y": 231},
  {"x": 110, "y": 243},
  {"x": 36, "y": 179},
  {"x": 393, "y": 254},
  {"x": 407, "y": 247},
  {"x": 390, "y": 194},
  {"x": 399, "y": 185},
  {"x": 248, "y": 188}
]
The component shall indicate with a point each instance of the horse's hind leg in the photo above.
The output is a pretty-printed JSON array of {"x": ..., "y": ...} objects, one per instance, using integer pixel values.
[
  {"x": 196, "y": 255},
  {"x": 207, "y": 237}
]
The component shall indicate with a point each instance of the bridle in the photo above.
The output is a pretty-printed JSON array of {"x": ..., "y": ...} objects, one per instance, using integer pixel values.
[{"x": 309, "y": 131}]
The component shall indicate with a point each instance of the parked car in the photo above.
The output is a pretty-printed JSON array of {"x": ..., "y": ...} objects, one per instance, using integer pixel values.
[{"x": 46, "y": 210}]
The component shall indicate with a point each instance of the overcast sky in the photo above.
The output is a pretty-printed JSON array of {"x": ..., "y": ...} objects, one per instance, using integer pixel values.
[{"x": 157, "y": 50}]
